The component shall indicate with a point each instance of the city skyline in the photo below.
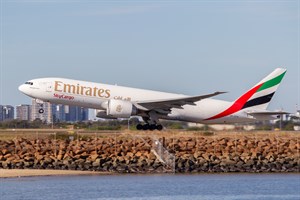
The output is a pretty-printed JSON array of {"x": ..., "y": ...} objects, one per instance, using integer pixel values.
[{"x": 52, "y": 113}]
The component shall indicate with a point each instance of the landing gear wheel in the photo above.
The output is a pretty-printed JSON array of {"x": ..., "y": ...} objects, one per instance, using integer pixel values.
[
  {"x": 152, "y": 127},
  {"x": 139, "y": 127},
  {"x": 146, "y": 127},
  {"x": 159, "y": 127},
  {"x": 41, "y": 111}
]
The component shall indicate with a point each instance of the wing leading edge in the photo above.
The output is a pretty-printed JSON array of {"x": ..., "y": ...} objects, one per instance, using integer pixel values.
[{"x": 167, "y": 104}]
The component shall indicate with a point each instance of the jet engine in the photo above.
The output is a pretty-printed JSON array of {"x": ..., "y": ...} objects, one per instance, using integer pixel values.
[
  {"x": 120, "y": 109},
  {"x": 103, "y": 114}
]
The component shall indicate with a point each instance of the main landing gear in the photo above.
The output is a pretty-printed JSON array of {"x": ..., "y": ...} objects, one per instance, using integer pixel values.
[
  {"x": 150, "y": 127},
  {"x": 151, "y": 120}
]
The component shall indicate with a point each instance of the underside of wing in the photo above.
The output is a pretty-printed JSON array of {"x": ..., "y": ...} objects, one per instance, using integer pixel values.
[{"x": 164, "y": 105}]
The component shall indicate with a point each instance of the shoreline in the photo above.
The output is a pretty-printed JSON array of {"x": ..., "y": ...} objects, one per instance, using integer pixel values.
[
  {"x": 19, "y": 173},
  {"x": 174, "y": 153},
  {"x": 22, "y": 173}
]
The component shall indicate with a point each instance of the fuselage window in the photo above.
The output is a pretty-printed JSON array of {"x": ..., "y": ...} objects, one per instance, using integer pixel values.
[{"x": 29, "y": 83}]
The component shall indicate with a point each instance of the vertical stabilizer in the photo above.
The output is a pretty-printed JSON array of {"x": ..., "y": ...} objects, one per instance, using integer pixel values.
[
  {"x": 261, "y": 94},
  {"x": 257, "y": 97}
]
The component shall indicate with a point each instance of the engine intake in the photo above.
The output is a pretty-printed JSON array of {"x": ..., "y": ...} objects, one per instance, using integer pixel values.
[{"x": 120, "y": 109}]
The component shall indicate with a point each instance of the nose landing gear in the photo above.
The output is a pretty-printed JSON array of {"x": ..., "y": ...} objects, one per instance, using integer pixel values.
[{"x": 41, "y": 104}]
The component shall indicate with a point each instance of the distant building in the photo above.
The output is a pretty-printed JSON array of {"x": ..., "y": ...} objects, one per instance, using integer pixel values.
[
  {"x": 1, "y": 113},
  {"x": 222, "y": 127},
  {"x": 59, "y": 112},
  {"x": 297, "y": 128},
  {"x": 46, "y": 116},
  {"x": 76, "y": 113},
  {"x": 23, "y": 112},
  {"x": 67, "y": 113},
  {"x": 7, "y": 112}
]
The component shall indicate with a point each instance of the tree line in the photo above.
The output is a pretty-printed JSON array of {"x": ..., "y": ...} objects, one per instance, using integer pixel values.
[{"x": 125, "y": 124}]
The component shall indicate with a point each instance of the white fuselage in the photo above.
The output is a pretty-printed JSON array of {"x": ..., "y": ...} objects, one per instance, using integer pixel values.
[{"x": 96, "y": 95}]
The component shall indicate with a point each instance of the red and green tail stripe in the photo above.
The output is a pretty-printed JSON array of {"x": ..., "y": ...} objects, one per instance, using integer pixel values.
[
  {"x": 245, "y": 102},
  {"x": 272, "y": 82}
]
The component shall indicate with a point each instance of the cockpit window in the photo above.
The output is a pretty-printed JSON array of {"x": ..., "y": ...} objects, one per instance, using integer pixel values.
[{"x": 29, "y": 83}]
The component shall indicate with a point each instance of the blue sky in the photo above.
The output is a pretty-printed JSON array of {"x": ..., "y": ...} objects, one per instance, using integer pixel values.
[{"x": 188, "y": 47}]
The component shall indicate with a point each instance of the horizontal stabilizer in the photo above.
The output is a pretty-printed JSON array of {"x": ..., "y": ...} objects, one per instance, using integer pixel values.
[
  {"x": 265, "y": 113},
  {"x": 268, "y": 113}
]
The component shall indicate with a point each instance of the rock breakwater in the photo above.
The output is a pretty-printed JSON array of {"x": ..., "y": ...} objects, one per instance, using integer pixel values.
[{"x": 147, "y": 155}]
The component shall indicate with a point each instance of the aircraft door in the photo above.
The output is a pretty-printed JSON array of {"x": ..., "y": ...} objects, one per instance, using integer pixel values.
[{"x": 48, "y": 87}]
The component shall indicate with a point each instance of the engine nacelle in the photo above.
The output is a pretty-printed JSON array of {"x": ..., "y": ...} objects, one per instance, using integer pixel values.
[
  {"x": 103, "y": 114},
  {"x": 120, "y": 109}
]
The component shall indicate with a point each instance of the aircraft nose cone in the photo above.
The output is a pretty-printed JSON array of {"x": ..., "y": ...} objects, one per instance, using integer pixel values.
[{"x": 22, "y": 88}]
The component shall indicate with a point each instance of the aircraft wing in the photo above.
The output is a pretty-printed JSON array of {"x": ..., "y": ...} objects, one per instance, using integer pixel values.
[{"x": 165, "y": 105}]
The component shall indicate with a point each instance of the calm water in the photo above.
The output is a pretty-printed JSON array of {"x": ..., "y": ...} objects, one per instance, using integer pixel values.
[{"x": 155, "y": 187}]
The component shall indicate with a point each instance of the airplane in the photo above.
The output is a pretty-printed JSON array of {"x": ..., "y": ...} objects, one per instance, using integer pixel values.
[
  {"x": 113, "y": 102},
  {"x": 295, "y": 116}
]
